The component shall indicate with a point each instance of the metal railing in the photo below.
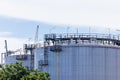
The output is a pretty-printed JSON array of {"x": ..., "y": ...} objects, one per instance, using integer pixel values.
[{"x": 81, "y": 35}]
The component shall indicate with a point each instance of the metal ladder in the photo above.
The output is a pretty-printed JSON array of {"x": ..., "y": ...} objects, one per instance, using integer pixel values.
[{"x": 44, "y": 62}]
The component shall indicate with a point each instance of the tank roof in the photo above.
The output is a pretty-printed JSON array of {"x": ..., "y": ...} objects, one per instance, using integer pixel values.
[{"x": 82, "y": 37}]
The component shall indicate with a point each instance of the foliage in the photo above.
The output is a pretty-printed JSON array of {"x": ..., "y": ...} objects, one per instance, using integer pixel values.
[
  {"x": 0, "y": 66},
  {"x": 37, "y": 76},
  {"x": 17, "y": 71}
]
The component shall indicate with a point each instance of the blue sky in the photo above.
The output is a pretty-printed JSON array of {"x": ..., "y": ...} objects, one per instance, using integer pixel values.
[
  {"x": 16, "y": 29},
  {"x": 21, "y": 28},
  {"x": 19, "y": 18}
]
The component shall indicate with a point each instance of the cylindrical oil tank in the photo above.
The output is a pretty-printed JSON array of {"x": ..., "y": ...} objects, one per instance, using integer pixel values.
[
  {"x": 80, "y": 57},
  {"x": 82, "y": 62}
]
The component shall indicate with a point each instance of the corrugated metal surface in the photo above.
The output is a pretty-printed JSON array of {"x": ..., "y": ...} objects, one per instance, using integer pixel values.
[
  {"x": 12, "y": 59},
  {"x": 38, "y": 56},
  {"x": 84, "y": 62}
]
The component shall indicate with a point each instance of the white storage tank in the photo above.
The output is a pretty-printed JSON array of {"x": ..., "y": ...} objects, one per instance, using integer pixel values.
[{"x": 80, "y": 57}]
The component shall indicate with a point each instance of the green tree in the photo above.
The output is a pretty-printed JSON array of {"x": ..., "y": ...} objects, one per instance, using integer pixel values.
[
  {"x": 16, "y": 71},
  {"x": 37, "y": 76}
]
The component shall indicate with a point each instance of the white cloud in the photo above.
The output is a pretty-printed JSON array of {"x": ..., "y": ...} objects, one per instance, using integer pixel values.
[{"x": 82, "y": 12}]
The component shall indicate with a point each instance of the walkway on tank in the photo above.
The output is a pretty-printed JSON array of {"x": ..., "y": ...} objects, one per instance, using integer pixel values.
[{"x": 104, "y": 38}]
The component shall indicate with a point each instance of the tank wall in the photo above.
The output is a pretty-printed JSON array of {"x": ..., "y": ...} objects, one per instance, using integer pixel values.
[
  {"x": 86, "y": 62},
  {"x": 38, "y": 56},
  {"x": 12, "y": 59}
]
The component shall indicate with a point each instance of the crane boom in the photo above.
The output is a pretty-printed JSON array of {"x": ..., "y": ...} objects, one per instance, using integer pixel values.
[{"x": 36, "y": 35}]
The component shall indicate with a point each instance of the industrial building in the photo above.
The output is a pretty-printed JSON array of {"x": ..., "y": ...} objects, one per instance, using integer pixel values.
[{"x": 75, "y": 56}]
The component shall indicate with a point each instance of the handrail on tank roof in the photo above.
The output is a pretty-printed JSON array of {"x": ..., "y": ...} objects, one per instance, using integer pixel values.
[{"x": 81, "y": 35}]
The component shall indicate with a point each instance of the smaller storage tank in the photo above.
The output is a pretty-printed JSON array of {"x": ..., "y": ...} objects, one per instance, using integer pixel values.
[{"x": 25, "y": 59}]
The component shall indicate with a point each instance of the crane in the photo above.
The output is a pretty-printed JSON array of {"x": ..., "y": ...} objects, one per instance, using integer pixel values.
[
  {"x": 31, "y": 48},
  {"x": 36, "y": 35}
]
